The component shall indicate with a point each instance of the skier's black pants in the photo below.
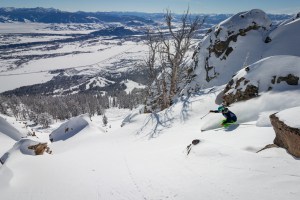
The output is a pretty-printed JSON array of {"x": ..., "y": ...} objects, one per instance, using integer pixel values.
[{"x": 229, "y": 120}]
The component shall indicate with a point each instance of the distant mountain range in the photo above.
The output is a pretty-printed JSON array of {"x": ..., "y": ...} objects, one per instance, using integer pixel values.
[{"x": 51, "y": 15}]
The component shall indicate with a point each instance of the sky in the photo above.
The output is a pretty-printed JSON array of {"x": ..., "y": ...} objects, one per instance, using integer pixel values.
[{"x": 158, "y": 6}]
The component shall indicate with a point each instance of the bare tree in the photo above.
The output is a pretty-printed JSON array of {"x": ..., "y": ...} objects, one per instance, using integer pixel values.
[
  {"x": 171, "y": 50},
  {"x": 177, "y": 47},
  {"x": 153, "y": 42}
]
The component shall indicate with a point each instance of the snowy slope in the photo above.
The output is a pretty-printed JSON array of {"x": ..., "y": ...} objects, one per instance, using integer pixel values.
[
  {"x": 9, "y": 130},
  {"x": 146, "y": 158},
  {"x": 130, "y": 85},
  {"x": 239, "y": 41},
  {"x": 285, "y": 39}
]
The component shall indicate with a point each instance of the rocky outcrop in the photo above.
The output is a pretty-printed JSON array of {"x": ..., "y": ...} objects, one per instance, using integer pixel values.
[
  {"x": 222, "y": 49},
  {"x": 226, "y": 48},
  {"x": 219, "y": 46},
  {"x": 250, "y": 90},
  {"x": 242, "y": 89},
  {"x": 290, "y": 79},
  {"x": 40, "y": 148},
  {"x": 286, "y": 137},
  {"x": 238, "y": 94},
  {"x": 277, "y": 73}
]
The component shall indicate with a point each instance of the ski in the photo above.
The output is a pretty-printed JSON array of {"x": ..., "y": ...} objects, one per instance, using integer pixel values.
[
  {"x": 188, "y": 149},
  {"x": 236, "y": 125}
]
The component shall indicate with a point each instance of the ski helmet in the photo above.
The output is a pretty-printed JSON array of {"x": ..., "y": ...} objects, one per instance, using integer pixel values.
[{"x": 221, "y": 108}]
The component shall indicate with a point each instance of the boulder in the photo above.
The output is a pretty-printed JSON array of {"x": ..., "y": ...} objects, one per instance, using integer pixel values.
[
  {"x": 239, "y": 94},
  {"x": 40, "y": 148},
  {"x": 287, "y": 137}
]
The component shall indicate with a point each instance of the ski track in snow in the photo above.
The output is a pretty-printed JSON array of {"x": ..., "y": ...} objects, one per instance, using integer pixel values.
[{"x": 132, "y": 179}]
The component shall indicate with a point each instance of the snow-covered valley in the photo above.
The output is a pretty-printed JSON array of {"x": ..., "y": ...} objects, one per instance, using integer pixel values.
[{"x": 34, "y": 53}]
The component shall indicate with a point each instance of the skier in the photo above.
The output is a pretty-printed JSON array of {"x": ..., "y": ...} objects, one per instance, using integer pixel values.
[{"x": 230, "y": 116}]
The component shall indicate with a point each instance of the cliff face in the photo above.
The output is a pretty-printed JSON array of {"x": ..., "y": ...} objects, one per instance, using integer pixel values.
[{"x": 286, "y": 136}]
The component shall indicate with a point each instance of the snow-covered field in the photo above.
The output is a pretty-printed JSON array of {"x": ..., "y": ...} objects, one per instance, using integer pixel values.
[
  {"x": 146, "y": 157},
  {"x": 31, "y": 65},
  {"x": 25, "y": 39},
  {"x": 20, "y": 27},
  {"x": 36, "y": 71}
]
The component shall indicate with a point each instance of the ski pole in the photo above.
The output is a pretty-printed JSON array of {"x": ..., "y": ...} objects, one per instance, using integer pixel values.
[{"x": 204, "y": 115}]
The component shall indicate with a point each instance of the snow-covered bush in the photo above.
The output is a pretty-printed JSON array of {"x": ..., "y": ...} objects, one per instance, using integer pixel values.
[{"x": 44, "y": 119}]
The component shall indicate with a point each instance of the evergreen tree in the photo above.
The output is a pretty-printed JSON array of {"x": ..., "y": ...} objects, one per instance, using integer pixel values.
[{"x": 104, "y": 120}]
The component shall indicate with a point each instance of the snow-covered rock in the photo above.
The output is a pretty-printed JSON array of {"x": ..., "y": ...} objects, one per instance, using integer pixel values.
[
  {"x": 26, "y": 146},
  {"x": 287, "y": 116},
  {"x": 29, "y": 146},
  {"x": 278, "y": 73},
  {"x": 287, "y": 130},
  {"x": 237, "y": 42},
  {"x": 68, "y": 129},
  {"x": 40, "y": 148}
]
